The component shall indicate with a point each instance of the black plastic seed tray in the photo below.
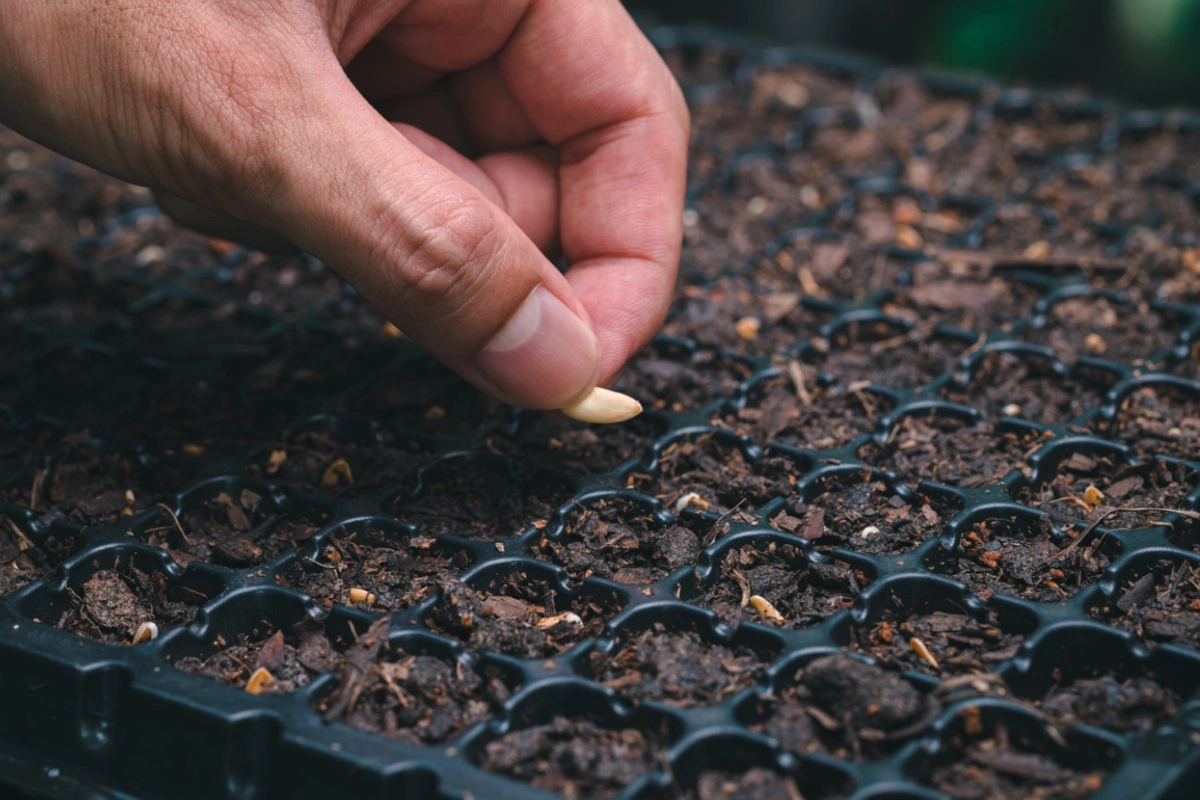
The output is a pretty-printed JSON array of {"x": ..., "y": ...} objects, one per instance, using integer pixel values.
[{"x": 951, "y": 430}]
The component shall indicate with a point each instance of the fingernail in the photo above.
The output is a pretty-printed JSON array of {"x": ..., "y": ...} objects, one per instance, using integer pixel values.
[{"x": 544, "y": 356}]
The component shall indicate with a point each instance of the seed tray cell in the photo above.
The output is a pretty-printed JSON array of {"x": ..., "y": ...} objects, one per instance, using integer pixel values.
[{"x": 913, "y": 511}]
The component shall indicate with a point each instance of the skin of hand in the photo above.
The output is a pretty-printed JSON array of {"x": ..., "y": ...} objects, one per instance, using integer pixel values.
[{"x": 435, "y": 153}]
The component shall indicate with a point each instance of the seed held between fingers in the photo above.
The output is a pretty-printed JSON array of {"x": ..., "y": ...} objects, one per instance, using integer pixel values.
[{"x": 604, "y": 406}]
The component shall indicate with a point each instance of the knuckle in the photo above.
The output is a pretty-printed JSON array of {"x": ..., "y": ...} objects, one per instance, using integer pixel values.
[{"x": 447, "y": 255}]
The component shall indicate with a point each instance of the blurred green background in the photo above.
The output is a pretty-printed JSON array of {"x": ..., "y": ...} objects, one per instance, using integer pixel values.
[{"x": 1143, "y": 51}]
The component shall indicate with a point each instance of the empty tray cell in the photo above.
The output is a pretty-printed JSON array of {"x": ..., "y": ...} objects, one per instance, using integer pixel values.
[
  {"x": 574, "y": 756},
  {"x": 948, "y": 450},
  {"x": 477, "y": 498},
  {"x": 1098, "y": 327},
  {"x": 25, "y": 558},
  {"x": 521, "y": 613},
  {"x": 1021, "y": 555},
  {"x": 965, "y": 289},
  {"x": 235, "y": 525},
  {"x": 374, "y": 563},
  {"x": 1017, "y": 383},
  {"x": 798, "y": 410},
  {"x": 886, "y": 353},
  {"x": 1157, "y": 419},
  {"x": 801, "y": 593},
  {"x": 844, "y": 707},
  {"x": 621, "y": 539},
  {"x": 744, "y": 317},
  {"x": 417, "y": 698},
  {"x": 1159, "y": 604}
]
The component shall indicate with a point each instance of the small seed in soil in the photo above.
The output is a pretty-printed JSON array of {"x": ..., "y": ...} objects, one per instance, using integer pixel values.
[
  {"x": 918, "y": 647},
  {"x": 337, "y": 473},
  {"x": 604, "y": 406},
  {"x": 360, "y": 596},
  {"x": 259, "y": 680},
  {"x": 763, "y": 606},
  {"x": 146, "y": 632}
]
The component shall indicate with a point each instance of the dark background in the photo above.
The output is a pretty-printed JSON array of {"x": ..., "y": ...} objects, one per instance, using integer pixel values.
[{"x": 1143, "y": 51}]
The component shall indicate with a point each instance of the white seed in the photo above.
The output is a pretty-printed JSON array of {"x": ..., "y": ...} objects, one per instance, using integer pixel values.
[
  {"x": 868, "y": 531},
  {"x": 763, "y": 606},
  {"x": 923, "y": 652},
  {"x": 146, "y": 632},
  {"x": 569, "y": 617},
  {"x": 604, "y": 406},
  {"x": 691, "y": 499},
  {"x": 259, "y": 680},
  {"x": 1011, "y": 410}
]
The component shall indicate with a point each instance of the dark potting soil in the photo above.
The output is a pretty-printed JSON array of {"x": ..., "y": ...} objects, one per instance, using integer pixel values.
[
  {"x": 393, "y": 570},
  {"x": 797, "y": 410},
  {"x": 293, "y": 657},
  {"x": 23, "y": 560},
  {"x": 866, "y": 516},
  {"x": 477, "y": 500},
  {"x": 1025, "y": 559},
  {"x": 677, "y": 668},
  {"x": 1160, "y": 606},
  {"x": 802, "y": 594},
  {"x": 518, "y": 615},
  {"x": 235, "y": 532},
  {"x": 939, "y": 643},
  {"x": 950, "y": 451},
  {"x": 621, "y": 540},
  {"x": 416, "y": 699},
  {"x": 112, "y": 604},
  {"x": 842, "y": 706},
  {"x": 994, "y": 764},
  {"x": 574, "y": 757}
]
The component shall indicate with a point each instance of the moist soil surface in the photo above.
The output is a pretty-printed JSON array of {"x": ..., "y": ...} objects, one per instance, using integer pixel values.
[
  {"x": 939, "y": 643},
  {"x": 621, "y": 540},
  {"x": 112, "y": 604},
  {"x": 518, "y": 615},
  {"x": 1026, "y": 560},
  {"x": 677, "y": 668},
  {"x": 993, "y": 764},
  {"x": 847, "y": 708},
  {"x": 236, "y": 532},
  {"x": 877, "y": 273},
  {"x": 802, "y": 594},
  {"x": 865, "y": 516},
  {"x": 1160, "y": 606},
  {"x": 394, "y": 571},
  {"x": 949, "y": 451},
  {"x": 574, "y": 757}
]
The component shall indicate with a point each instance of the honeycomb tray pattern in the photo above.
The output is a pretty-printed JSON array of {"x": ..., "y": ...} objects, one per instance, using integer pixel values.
[{"x": 81, "y": 715}]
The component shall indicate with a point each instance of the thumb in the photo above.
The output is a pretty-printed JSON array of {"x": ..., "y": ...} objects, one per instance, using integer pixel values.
[{"x": 443, "y": 262}]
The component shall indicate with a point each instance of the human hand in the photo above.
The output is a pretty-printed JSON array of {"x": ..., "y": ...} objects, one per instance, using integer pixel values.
[{"x": 520, "y": 128}]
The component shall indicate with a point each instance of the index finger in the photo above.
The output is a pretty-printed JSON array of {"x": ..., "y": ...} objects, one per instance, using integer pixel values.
[{"x": 593, "y": 86}]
